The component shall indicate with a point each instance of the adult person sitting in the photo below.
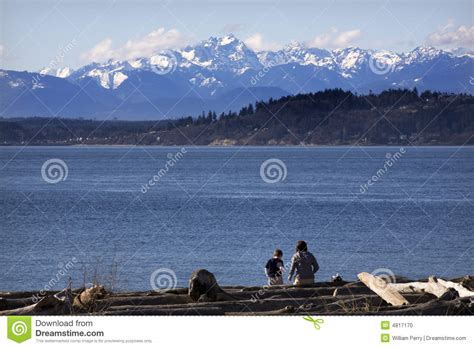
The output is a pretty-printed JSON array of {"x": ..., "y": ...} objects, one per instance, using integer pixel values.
[{"x": 303, "y": 265}]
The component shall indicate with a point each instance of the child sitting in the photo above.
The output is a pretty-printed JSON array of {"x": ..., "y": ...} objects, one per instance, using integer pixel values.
[{"x": 274, "y": 268}]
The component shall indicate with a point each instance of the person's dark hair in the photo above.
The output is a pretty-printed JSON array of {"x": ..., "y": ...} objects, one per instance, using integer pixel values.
[
  {"x": 278, "y": 253},
  {"x": 301, "y": 246}
]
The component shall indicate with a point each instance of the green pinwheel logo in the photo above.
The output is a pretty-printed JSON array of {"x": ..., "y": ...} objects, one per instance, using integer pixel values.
[
  {"x": 19, "y": 328},
  {"x": 316, "y": 322}
]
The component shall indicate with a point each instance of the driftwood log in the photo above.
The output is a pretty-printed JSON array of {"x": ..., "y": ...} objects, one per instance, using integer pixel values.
[
  {"x": 430, "y": 287},
  {"x": 206, "y": 297},
  {"x": 48, "y": 305},
  {"x": 382, "y": 288},
  {"x": 460, "y": 306},
  {"x": 462, "y": 291},
  {"x": 435, "y": 286}
]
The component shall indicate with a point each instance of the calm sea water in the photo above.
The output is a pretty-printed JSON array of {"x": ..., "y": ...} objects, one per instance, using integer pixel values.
[{"x": 212, "y": 210}]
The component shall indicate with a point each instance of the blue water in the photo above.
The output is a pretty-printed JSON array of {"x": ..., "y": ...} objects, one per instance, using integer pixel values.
[{"x": 213, "y": 210}]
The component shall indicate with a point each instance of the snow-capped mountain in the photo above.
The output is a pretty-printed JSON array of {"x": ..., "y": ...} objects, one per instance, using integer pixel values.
[
  {"x": 219, "y": 54},
  {"x": 196, "y": 78},
  {"x": 298, "y": 54},
  {"x": 216, "y": 64}
]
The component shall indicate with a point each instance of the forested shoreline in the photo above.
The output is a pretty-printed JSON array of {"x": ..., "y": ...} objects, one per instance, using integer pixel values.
[{"x": 330, "y": 117}]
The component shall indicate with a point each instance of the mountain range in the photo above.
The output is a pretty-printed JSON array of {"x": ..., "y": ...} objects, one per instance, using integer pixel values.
[{"x": 223, "y": 74}]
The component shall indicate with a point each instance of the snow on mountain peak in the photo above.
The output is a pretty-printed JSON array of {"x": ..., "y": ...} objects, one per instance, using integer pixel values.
[
  {"x": 118, "y": 78},
  {"x": 350, "y": 58},
  {"x": 427, "y": 50},
  {"x": 387, "y": 57},
  {"x": 58, "y": 72},
  {"x": 294, "y": 46},
  {"x": 210, "y": 63},
  {"x": 423, "y": 53},
  {"x": 227, "y": 39},
  {"x": 227, "y": 53}
]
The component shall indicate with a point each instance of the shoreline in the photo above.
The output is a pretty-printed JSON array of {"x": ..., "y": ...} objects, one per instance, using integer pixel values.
[
  {"x": 204, "y": 296},
  {"x": 455, "y": 278},
  {"x": 240, "y": 146}
]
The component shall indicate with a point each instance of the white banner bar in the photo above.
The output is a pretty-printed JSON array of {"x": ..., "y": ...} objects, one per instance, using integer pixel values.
[{"x": 202, "y": 331}]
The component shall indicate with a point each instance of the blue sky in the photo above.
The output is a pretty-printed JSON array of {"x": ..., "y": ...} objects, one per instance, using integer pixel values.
[{"x": 33, "y": 33}]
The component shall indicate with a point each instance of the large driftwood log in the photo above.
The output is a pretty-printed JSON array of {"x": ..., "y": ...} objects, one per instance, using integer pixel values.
[
  {"x": 164, "y": 299},
  {"x": 166, "y": 311},
  {"x": 203, "y": 287},
  {"x": 48, "y": 305},
  {"x": 206, "y": 297},
  {"x": 382, "y": 288},
  {"x": 435, "y": 286},
  {"x": 460, "y": 306},
  {"x": 356, "y": 288},
  {"x": 463, "y": 292},
  {"x": 283, "y": 311},
  {"x": 12, "y": 303},
  {"x": 430, "y": 287},
  {"x": 327, "y": 304}
]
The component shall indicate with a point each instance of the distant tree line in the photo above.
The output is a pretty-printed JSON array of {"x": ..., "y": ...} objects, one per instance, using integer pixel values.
[{"x": 334, "y": 116}]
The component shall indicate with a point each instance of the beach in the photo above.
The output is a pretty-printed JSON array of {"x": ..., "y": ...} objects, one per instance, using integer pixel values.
[{"x": 430, "y": 296}]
